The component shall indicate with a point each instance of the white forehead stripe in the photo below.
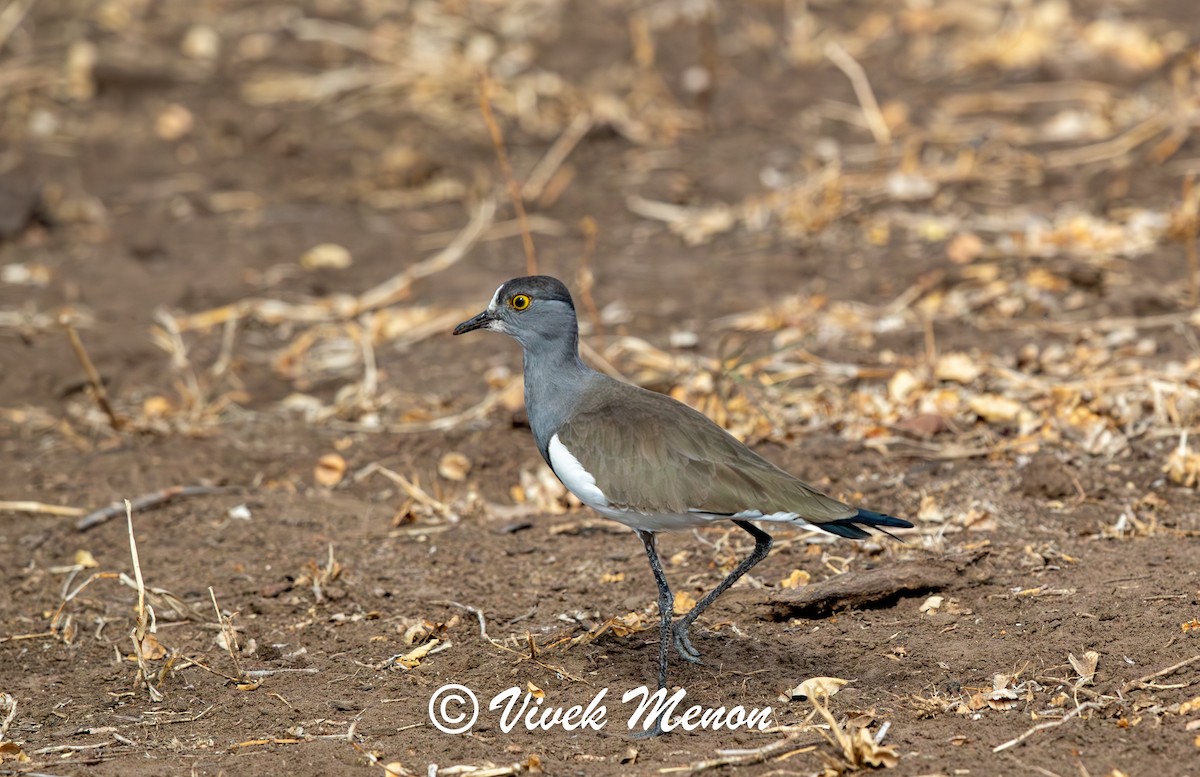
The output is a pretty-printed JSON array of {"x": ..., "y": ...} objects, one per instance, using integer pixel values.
[{"x": 495, "y": 298}]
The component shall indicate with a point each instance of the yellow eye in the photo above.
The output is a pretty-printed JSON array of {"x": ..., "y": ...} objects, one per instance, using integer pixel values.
[{"x": 519, "y": 302}]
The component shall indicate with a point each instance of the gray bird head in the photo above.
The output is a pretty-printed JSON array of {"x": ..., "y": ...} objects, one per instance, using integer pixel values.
[{"x": 535, "y": 310}]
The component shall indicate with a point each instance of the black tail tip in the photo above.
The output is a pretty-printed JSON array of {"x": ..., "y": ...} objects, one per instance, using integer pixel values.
[{"x": 851, "y": 528}]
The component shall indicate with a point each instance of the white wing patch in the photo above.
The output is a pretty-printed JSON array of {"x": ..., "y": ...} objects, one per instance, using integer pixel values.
[
  {"x": 757, "y": 515},
  {"x": 578, "y": 480}
]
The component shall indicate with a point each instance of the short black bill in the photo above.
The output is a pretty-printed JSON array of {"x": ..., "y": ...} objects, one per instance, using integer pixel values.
[{"x": 479, "y": 322}]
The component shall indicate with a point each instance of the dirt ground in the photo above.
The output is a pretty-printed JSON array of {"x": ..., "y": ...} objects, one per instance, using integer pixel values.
[{"x": 935, "y": 258}]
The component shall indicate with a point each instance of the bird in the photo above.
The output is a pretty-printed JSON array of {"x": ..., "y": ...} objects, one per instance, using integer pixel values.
[{"x": 645, "y": 459}]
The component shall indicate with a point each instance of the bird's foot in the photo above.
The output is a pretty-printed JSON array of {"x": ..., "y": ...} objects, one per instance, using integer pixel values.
[
  {"x": 683, "y": 642},
  {"x": 657, "y": 731}
]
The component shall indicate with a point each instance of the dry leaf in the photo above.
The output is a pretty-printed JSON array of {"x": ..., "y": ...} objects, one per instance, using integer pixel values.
[
  {"x": 1085, "y": 667},
  {"x": 1191, "y": 705},
  {"x": 995, "y": 408},
  {"x": 11, "y": 751},
  {"x": 964, "y": 248},
  {"x": 870, "y": 753},
  {"x": 152, "y": 649},
  {"x": 173, "y": 122},
  {"x": 902, "y": 384},
  {"x": 412, "y": 659},
  {"x": 85, "y": 559},
  {"x": 394, "y": 769},
  {"x": 157, "y": 407},
  {"x": 932, "y": 604},
  {"x": 535, "y": 691},
  {"x": 326, "y": 256},
  {"x": 817, "y": 687},
  {"x": 1183, "y": 466},
  {"x": 797, "y": 578},
  {"x": 684, "y": 602},
  {"x": 201, "y": 42},
  {"x": 454, "y": 466},
  {"x": 957, "y": 367},
  {"x": 330, "y": 470}
]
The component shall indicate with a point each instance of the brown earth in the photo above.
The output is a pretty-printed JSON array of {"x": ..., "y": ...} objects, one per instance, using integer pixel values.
[{"x": 163, "y": 159}]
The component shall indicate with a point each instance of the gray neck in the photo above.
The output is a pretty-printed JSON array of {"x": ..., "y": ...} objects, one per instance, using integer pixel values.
[{"x": 554, "y": 380}]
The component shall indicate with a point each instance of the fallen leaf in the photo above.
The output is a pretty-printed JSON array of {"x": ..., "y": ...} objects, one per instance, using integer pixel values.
[
  {"x": 902, "y": 384},
  {"x": 85, "y": 559},
  {"x": 684, "y": 602},
  {"x": 871, "y": 753},
  {"x": 535, "y": 691},
  {"x": 964, "y": 248},
  {"x": 454, "y": 466},
  {"x": 156, "y": 407},
  {"x": 326, "y": 256},
  {"x": 412, "y": 659},
  {"x": 995, "y": 408},
  {"x": 924, "y": 425},
  {"x": 1191, "y": 705},
  {"x": 11, "y": 751},
  {"x": 173, "y": 122},
  {"x": 797, "y": 578},
  {"x": 330, "y": 470},
  {"x": 932, "y": 604},
  {"x": 957, "y": 367},
  {"x": 1085, "y": 667},
  {"x": 817, "y": 687},
  {"x": 152, "y": 649}
]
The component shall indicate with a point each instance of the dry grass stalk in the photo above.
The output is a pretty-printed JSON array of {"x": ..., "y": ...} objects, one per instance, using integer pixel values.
[
  {"x": 555, "y": 156},
  {"x": 514, "y": 191},
  {"x": 11, "y": 18},
  {"x": 586, "y": 281},
  {"x": 862, "y": 90},
  {"x": 145, "y": 625},
  {"x": 93, "y": 377},
  {"x": 781, "y": 750},
  {"x": 228, "y": 634},
  {"x": 41, "y": 507},
  {"x": 7, "y": 701},
  {"x": 1144, "y": 682},
  {"x": 1185, "y": 227},
  {"x": 1090, "y": 705},
  {"x": 858, "y": 747},
  {"x": 411, "y": 489}
]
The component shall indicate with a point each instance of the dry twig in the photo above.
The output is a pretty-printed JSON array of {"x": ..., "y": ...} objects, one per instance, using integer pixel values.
[
  {"x": 1090, "y": 705},
  {"x": 93, "y": 377},
  {"x": 514, "y": 191},
  {"x": 145, "y": 624},
  {"x": 147, "y": 501},
  {"x": 862, "y": 90}
]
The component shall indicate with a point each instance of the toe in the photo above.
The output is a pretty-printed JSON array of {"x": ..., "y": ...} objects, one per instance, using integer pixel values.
[{"x": 685, "y": 648}]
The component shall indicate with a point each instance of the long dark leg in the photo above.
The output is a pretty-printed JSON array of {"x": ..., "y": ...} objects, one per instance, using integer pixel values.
[
  {"x": 666, "y": 606},
  {"x": 762, "y": 546}
]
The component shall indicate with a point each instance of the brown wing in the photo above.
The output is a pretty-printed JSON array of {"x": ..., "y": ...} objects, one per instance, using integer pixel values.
[{"x": 661, "y": 456}]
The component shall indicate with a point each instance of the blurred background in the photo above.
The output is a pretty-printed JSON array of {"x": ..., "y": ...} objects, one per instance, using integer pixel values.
[{"x": 938, "y": 256}]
